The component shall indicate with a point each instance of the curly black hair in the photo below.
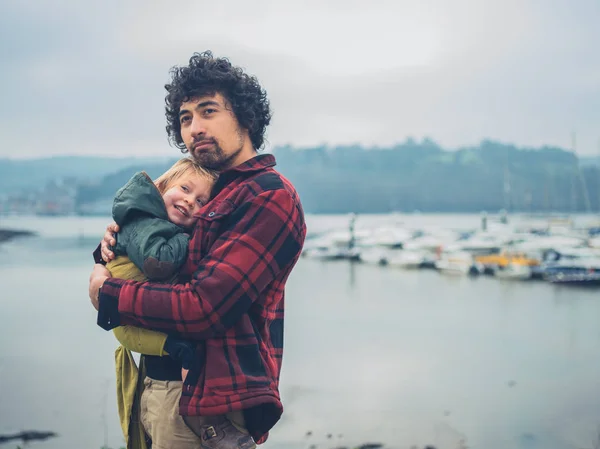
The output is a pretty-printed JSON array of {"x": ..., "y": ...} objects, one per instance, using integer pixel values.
[{"x": 208, "y": 75}]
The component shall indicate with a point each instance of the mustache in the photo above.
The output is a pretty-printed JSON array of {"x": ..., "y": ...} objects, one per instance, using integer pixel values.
[{"x": 204, "y": 140}]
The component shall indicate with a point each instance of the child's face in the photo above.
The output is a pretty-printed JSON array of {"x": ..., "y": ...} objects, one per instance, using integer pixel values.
[{"x": 184, "y": 197}]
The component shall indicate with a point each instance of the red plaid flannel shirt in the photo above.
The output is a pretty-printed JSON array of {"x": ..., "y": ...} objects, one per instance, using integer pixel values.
[{"x": 245, "y": 244}]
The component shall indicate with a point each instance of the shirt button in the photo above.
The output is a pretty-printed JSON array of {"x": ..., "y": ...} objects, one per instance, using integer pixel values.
[{"x": 211, "y": 214}]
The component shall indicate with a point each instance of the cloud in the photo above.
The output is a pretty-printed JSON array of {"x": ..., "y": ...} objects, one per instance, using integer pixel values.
[{"x": 88, "y": 78}]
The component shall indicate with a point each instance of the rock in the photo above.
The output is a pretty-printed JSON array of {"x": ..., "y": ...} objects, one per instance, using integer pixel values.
[
  {"x": 27, "y": 436},
  {"x": 9, "y": 234}
]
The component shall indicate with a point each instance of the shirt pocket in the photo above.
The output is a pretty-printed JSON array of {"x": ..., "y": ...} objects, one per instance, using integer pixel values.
[
  {"x": 216, "y": 212},
  {"x": 213, "y": 221}
]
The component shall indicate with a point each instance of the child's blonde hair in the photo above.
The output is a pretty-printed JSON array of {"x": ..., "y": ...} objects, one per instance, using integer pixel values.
[{"x": 182, "y": 167}]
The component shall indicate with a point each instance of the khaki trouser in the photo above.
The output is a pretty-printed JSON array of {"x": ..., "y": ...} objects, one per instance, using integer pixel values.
[{"x": 162, "y": 421}]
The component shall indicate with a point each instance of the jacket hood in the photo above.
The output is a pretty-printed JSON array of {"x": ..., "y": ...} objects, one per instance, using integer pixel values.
[{"x": 138, "y": 196}]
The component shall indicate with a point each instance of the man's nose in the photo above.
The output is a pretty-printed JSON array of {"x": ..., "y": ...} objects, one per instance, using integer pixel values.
[{"x": 198, "y": 128}]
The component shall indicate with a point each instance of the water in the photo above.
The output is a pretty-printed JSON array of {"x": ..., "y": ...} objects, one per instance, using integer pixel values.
[{"x": 372, "y": 353}]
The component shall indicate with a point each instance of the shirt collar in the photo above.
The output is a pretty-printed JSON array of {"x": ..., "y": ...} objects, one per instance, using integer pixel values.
[{"x": 257, "y": 163}]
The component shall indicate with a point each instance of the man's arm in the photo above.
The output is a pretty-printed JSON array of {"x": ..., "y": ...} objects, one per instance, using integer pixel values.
[{"x": 264, "y": 237}]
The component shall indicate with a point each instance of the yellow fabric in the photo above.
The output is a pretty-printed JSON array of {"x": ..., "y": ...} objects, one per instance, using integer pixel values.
[
  {"x": 130, "y": 380},
  {"x": 142, "y": 341},
  {"x": 123, "y": 268},
  {"x": 129, "y": 391},
  {"x": 137, "y": 435}
]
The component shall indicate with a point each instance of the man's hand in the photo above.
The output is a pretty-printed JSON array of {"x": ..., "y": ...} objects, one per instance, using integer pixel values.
[
  {"x": 181, "y": 350},
  {"x": 97, "y": 278},
  {"x": 108, "y": 241}
]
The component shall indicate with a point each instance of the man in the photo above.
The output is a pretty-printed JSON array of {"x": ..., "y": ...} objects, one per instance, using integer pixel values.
[{"x": 246, "y": 243}]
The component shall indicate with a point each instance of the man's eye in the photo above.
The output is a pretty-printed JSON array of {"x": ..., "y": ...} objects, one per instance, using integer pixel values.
[
  {"x": 209, "y": 111},
  {"x": 185, "y": 119}
]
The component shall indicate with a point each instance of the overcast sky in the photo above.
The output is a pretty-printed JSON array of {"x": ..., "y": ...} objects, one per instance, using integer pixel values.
[{"x": 87, "y": 77}]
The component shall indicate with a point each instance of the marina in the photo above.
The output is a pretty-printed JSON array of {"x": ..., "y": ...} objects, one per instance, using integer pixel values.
[{"x": 550, "y": 249}]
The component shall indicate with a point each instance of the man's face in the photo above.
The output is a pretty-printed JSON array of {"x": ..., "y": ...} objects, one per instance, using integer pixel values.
[{"x": 211, "y": 132}]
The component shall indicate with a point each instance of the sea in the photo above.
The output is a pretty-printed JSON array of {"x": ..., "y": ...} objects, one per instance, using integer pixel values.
[{"x": 372, "y": 354}]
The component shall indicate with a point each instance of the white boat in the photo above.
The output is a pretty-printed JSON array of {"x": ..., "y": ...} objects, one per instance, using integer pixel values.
[
  {"x": 375, "y": 256},
  {"x": 386, "y": 237},
  {"x": 458, "y": 262},
  {"x": 429, "y": 242},
  {"x": 333, "y": 245},
  {"x": 581, "y": 272},
  {"x": 480, "y": 243},
  {"x": 407, "y": 259},
  {"x": 594, "y": 242},
  {"x": 334, "y": 253},
  {"x": 513, "y": 272},
  {"x": 547, "y": 243},
  {"x": 572, "y": 266}
]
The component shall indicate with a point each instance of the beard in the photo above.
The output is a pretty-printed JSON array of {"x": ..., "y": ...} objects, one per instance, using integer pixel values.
[{"x": 216, "y": 158}]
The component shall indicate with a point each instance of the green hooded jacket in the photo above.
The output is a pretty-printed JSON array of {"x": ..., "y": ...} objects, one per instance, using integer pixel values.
[{"x": 155, "y": 245}]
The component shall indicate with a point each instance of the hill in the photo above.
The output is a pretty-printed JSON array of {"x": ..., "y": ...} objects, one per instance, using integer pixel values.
[
  {"x": 422, "y": 176},
  {"x": 30, "y": 174},
  {"x": 406, "y": 177}
]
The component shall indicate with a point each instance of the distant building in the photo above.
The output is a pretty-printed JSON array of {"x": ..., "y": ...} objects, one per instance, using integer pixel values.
[
  {"x": 100, "y": 207},
  {"x": 57, "y": 198}
]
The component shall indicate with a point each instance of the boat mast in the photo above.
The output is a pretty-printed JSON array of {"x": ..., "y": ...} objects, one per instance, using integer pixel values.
[
  {"x": 598, "y": 177},
  {"x": 586, "y": 196}
]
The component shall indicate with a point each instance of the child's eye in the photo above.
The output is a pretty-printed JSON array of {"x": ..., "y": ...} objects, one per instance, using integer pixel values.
[
  {"x": 184, "y": 188},
  {"x": 200, "y": 202}
]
